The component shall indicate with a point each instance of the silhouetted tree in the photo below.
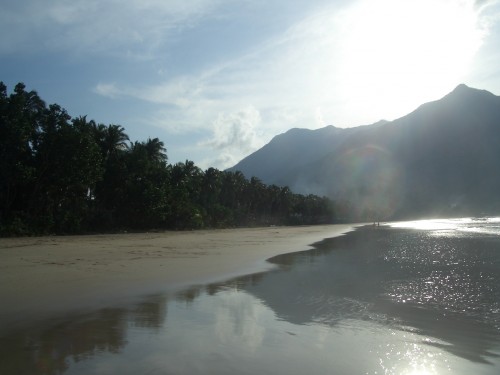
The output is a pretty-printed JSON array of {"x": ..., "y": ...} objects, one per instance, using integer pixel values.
[{"x": 64, "y": 175}]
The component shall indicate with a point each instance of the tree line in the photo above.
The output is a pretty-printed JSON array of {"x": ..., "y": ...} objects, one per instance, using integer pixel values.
[{"x": 65, "y": 175}]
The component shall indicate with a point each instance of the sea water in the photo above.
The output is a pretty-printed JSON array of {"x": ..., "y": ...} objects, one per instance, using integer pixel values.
[{"x": 415, "y": 298}]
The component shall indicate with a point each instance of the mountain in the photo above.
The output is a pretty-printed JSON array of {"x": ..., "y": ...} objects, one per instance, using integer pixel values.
[{"x": 441, "y": 159}]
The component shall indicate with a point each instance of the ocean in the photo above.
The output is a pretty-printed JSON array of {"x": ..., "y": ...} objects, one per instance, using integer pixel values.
[{"x": 415, "y": 298}]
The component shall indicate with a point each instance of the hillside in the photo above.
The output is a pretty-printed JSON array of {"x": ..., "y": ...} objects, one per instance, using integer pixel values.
[{"x": 441, "y": 159}]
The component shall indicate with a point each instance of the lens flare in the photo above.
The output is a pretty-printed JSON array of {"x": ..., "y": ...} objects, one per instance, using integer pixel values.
[{"x": 373, "y": 182}]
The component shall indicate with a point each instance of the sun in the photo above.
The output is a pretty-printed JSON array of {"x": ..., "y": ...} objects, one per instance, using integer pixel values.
[{"x": 399, "y": 53}]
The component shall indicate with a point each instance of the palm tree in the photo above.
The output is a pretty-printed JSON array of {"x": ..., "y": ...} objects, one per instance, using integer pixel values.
[
  {"x": 111, "y": 139},
  {"x": 156, "y": 150},
  {"x": 82, "y": 124}
]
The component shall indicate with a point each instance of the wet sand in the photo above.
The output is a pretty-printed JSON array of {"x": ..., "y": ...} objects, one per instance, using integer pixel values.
[{"x": 45, "y": 275}]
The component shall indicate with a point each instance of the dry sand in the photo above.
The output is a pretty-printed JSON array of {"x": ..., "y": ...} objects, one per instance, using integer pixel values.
[{"x": 41, "y": 276}]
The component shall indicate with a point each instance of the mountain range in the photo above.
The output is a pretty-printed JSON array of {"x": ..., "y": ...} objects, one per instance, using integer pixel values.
[{"x": 443, "y": 159}]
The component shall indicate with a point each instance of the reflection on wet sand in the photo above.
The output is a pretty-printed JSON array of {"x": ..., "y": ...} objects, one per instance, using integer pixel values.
[
  {"x": 442, "y": 295},
  {"x": 47, "y": 351}
]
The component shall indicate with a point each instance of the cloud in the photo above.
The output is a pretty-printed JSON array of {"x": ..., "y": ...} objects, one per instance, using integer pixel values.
[
  {"x": 285, "y": 76},
  {"x": 180, "y": 92},
  {"x": 235, "y": 129},
  {"x": 481, "y": 4},
  {"x": 343, "y": 65},
  {"x": 108, "y": 90},
  {"x": 132, "y": 28},
  {"x": 235, "y": 135}
]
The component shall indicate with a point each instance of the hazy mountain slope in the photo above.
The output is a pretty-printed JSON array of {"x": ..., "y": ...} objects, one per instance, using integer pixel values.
[
  {"x": 443, "y": 158},
  {"x": 288, "y": 151}
]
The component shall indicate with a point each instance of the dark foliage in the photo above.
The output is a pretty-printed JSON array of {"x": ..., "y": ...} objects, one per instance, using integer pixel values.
[{"x": 64, "y": 175}]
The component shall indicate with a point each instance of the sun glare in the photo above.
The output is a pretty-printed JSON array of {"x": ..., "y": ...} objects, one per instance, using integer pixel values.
[
  {"x": 405, "y": 52},
  {"x": 420, "y": 372}
]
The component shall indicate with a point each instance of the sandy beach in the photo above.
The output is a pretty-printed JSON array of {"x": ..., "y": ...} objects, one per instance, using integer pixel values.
[{"x": 40, "y": 276}]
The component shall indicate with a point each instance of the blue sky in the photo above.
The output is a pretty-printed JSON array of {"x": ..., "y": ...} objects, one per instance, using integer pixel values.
[{"x": 217, "y": 79}]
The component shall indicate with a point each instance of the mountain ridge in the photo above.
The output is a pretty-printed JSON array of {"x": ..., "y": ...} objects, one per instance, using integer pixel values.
[{"x": 441, "y": 158}]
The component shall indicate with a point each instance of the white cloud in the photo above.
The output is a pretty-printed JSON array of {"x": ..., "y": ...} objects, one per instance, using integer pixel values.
[
  {"x": 279, "y": 77},
  {"x": 236, "y": 129},
  {"x": 345, "y": 66},
  {"x": 182, "y": 92},
  {"x": 481, "y": 4},
  {"x": 126, "y": 28},
  {"x": 235, "y": 135},
  {"x": 108, "y": 90}
]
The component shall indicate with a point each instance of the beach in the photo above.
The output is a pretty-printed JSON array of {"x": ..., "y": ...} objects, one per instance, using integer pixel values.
[
  {"x": 401, "y": 298},
  {"x": 43, "y": 276}
]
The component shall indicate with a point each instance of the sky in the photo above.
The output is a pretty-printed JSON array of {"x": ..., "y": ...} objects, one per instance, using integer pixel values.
[{"x": 215, "y": 80}]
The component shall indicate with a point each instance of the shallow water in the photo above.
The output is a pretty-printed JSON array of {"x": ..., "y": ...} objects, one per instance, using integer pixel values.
[{"x": 379, "y": 300}]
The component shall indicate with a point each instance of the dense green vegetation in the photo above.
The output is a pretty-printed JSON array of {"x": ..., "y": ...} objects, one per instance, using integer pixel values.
[{"x": 60, "y": 174}]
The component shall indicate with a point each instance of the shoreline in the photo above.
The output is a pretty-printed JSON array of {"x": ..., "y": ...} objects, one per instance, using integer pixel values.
[{"x": 44, "y": 276}]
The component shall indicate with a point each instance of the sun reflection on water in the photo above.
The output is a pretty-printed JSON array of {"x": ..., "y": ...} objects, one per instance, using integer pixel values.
[
  {"x": 431, "y": 224},
  {"x": 414, "y": 358},
  {"x": 486, "y": 225},
  {"x": 420, "y": 372}
]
